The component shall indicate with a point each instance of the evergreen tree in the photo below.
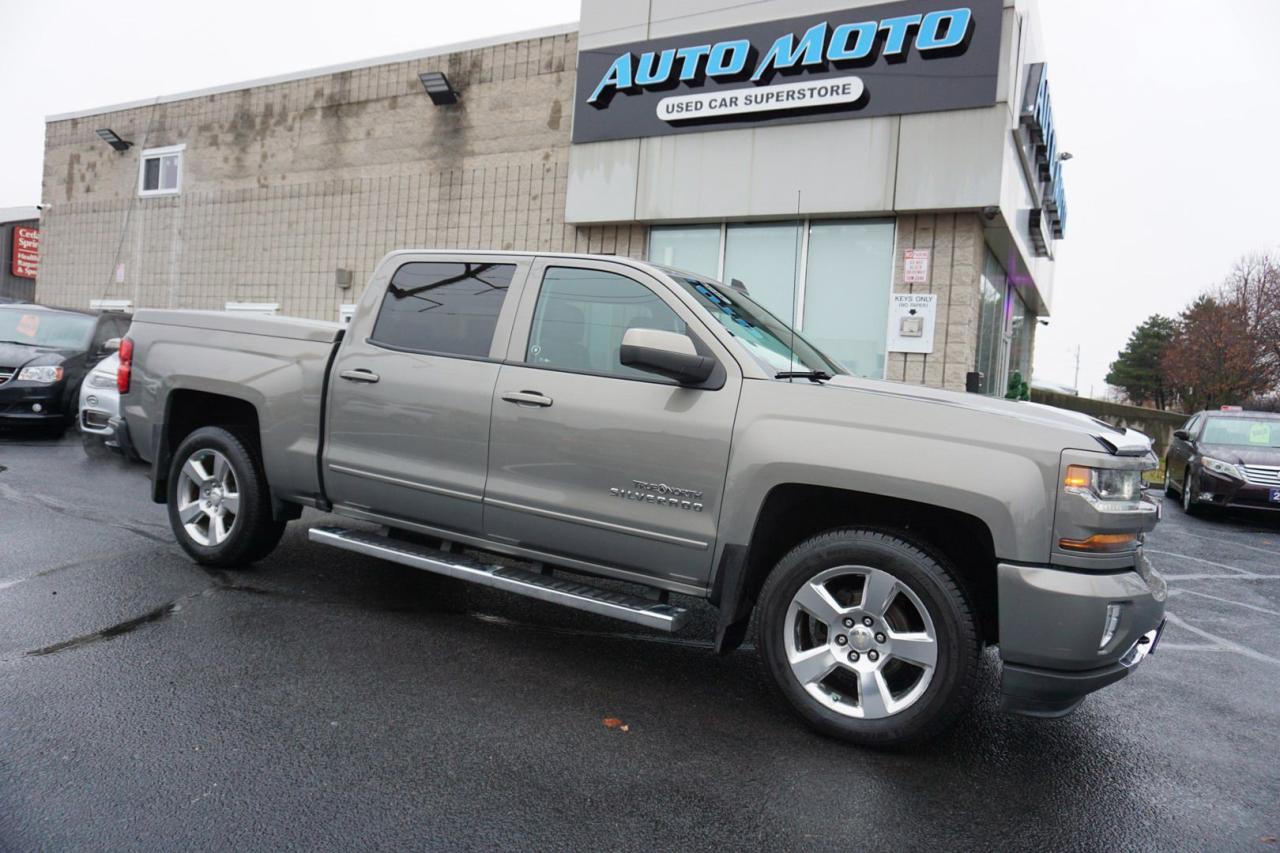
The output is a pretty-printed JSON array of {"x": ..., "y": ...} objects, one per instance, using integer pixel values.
[{"x": 1139, "y": 370}]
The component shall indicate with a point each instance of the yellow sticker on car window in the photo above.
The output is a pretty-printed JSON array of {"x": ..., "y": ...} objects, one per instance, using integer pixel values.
[{"x": 1260, "y": 433}]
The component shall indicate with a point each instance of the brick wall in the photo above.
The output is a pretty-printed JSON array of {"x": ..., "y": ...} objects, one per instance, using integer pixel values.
[
  {"x": 956, "y": 245},
  {"x": 284, "y": 184}
]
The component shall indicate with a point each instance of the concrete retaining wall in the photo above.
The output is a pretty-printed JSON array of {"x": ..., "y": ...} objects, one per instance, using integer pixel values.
[{"x": 1153, "y": 422}]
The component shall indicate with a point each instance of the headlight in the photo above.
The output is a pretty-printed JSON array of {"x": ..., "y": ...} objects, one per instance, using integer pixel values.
[
  {"x": 102, "y": 380},
  {"x": 1120, "y": 485},
  {"x": 1219, "y": 467},
  {"x": 43, "y": 375}
]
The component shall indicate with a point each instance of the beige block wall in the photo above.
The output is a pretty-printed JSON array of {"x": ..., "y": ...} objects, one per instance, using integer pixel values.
[
  {"x": 284, "y": 184},
  {"x": 955, "y": 242}
]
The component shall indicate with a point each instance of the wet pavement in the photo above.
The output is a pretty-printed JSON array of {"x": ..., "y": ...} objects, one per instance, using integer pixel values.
[{"x": 327, "y": 700}]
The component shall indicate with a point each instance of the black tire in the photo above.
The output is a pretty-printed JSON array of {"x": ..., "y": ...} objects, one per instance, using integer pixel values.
[
  {"x": 931, "y": 579},
  {"x": 1189, "y": 506},
  {"x": 1170, "y": 490},
  {"x": 254, "y": 533}
]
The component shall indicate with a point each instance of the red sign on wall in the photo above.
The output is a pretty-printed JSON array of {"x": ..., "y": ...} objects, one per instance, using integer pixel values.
[{"x": 26, "y": 252}]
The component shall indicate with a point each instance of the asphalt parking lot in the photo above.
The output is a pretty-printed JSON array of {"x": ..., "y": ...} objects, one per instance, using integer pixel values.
[{"x": 325, "y": 700}]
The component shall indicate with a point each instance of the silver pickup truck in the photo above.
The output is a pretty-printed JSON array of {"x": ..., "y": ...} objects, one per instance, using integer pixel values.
[{"x": 537, "y": 422}]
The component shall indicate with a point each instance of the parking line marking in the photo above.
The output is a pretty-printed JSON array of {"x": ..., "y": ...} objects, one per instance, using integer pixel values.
[
  {"x": 1270, "y": 552},
  {"x": 1198, "y": 560},
  {"x": 1222, "y": 641},
  {"x": 1174, "y": 592},
  {"x": 1209, "y": 577}
]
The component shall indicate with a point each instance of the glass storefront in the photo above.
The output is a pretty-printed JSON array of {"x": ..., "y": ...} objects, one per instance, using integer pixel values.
[
  {"x": 832, "y": 279},
  {"x": 992, "y": 330},
  {"x": 765, "y": 257},
  {"x": 1021, "y": 337},
  {"x": 695, "y": 248},
  {"x": 1006, "y": 330},
  {"x": 846, "y": 292}
]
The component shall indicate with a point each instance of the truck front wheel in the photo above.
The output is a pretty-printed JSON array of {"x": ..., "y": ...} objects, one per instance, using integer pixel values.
[
  {"x": 219, "y": 504},
  {"x": 868, "y": 637}
]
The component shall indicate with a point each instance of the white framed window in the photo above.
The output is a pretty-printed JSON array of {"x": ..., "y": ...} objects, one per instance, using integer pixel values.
[
  {"x": 160, "y": 171},
  {"x": 268, "y": 308}
]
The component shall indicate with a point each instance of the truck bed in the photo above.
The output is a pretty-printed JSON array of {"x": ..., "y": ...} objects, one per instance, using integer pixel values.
[{"x": 277, "y": 364}]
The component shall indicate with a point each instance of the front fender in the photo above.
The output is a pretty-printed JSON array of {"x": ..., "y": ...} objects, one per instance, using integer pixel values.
[{"x": 999, "y": 470}]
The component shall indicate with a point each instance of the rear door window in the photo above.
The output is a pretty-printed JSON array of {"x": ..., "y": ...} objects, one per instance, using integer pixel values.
[{"x": 443, "y": 308}]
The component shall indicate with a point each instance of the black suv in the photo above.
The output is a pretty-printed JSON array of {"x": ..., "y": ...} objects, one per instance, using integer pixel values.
[
  {"x": 45, "y": 354},
  {"x": 1228, "y": 458}
]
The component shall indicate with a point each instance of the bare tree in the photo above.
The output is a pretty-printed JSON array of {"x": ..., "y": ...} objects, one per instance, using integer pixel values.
[
  {"x": 1253, "y": 289},
  {"x": 1214, "y": 359}
]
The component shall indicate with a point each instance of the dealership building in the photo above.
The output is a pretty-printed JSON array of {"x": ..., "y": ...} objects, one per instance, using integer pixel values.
[{"x": 886, "y": 176}]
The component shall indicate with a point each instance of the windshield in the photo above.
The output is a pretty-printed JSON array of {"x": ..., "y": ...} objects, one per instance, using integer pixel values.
[
  {"x": 45, "y": 328},
  {"x": 774, "y": 344},
  {"x": 1242, "y": 432}
]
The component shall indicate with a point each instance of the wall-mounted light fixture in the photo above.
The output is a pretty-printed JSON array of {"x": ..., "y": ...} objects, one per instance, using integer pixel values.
[
  {"x": 438, "y": 88},
  {"x": 113, "y": 139}
]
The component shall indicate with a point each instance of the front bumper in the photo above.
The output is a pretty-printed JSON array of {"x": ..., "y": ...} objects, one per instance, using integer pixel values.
[
  {"x": 123, "y": 440},
  {"x": 27, "y": 403},
  {"x": 1211, "y": 489},
  {"x": 1052, "y": 623}
]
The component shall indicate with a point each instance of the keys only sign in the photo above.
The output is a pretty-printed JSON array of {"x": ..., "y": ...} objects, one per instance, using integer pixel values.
[
  {"x": 26, "y": 252},
  {"x": 891, "y": 59}
]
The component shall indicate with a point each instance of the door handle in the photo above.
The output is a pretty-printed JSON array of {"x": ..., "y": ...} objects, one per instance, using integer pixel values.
[
  {"x": 527, "y": 398},
  {"x": 359, "y": 375}
]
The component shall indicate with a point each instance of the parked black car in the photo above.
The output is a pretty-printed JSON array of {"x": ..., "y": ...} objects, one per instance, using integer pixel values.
[
  {"x": 45, "y": 354},
  {"x": 1228, "y": 458}
]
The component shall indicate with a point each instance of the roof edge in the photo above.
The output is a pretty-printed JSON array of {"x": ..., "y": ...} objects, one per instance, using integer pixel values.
[
  {"x": 20, "y": 213},
  {"x": 426, "y": 53}
]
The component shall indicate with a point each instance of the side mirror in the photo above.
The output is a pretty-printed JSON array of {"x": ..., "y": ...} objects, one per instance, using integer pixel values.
[
  {"x": 112, "y": 345},
  {"x": 1181, "y": 435},
  {"x": 668, "y": 354}
]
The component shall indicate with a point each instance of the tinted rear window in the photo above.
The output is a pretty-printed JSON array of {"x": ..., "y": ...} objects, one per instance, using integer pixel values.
[{"x": 444, "y": 308}]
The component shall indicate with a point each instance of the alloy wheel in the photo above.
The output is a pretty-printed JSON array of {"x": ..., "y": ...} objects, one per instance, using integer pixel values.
[
  {"x": 208, "y": 497},
  {"x": 860, "y": 642}
]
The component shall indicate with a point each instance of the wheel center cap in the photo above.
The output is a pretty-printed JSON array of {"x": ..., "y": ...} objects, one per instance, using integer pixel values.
[{"x": 861, "y": 638}]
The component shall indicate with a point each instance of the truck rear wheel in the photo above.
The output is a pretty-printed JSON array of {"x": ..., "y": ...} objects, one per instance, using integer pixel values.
[
  {"x": 869, "y": 638},
  {"x": 219, "y": 504}
]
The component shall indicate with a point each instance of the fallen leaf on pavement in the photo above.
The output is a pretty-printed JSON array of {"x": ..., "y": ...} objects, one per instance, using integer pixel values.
[{"x": 615, "y": 723}]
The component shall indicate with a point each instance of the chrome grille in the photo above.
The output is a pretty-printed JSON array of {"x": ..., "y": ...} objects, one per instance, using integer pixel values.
[
  {"x": 6, "y": 373},
  {"x": 1262, "y": 475}
]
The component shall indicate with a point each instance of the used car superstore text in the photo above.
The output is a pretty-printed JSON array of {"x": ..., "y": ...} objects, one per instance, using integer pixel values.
[{"x": 786, "y": 96}]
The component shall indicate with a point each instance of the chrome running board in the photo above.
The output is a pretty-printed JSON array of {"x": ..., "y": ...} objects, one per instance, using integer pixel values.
[{"x": 556, "y": 590}]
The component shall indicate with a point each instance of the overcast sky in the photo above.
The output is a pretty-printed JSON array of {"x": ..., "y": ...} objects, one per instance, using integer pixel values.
[{"x": 1170, "y": 109}]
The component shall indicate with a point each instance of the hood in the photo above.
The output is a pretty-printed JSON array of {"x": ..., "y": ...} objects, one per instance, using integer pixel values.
[
  {"x": 1119, "y": 440},
  {"x": 1238, "y": 454},
  {"x": 17, "y": 355}
]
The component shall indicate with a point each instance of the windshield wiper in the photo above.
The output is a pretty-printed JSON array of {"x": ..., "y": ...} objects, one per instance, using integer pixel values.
[
  {"x": 811, "y": 375},
  {"x": 19, "y": 343}
]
